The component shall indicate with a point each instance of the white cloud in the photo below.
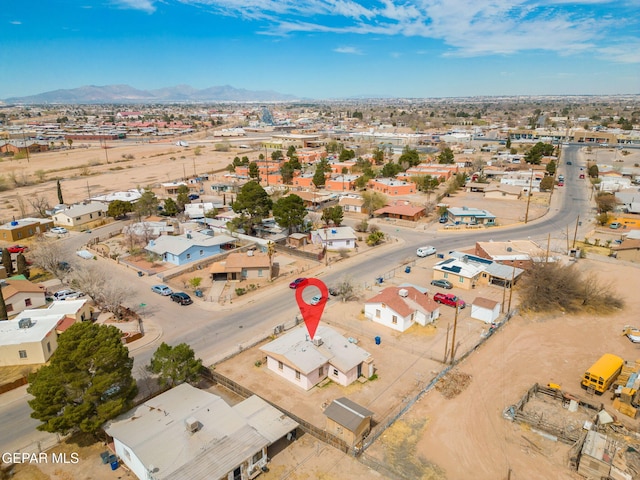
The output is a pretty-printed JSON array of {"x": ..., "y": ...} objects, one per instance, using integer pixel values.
[
  {"x": 15, "y": 22},
  {"x": 348, "y": 50},
  {"x": 144, "y": 5}
]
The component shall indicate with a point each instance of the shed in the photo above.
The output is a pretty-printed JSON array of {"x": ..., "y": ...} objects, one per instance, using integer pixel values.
[
  {"x": 597, "y": 453},
  {"x": 348, "y": 420},
  {"x": 485, "y": 309}
]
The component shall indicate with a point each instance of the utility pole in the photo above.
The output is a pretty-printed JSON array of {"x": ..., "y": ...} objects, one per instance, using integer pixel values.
[
  {"x": 546, "y": 260},
  {"x": 513, "y": 276},
  {"x": 453, "y": 340},
  {"x": 26, "y": 147},
  {"x": 526, "y": 215},
  {"x": 446, "y": 344},
  {"x": 575, "y": 233}
]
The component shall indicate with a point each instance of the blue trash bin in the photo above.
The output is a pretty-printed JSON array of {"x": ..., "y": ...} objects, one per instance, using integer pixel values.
[
  {"x": 378, "y": 340},
  {"x": 114, "y": 465},
  {"x": 379, "y": 280},
  {"x": 407, "y": 270}
]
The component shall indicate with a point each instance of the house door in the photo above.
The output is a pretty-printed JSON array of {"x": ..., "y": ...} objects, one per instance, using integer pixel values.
[
  {"x": 359, "y": 370},
  {"x": 237, "y": 474}
]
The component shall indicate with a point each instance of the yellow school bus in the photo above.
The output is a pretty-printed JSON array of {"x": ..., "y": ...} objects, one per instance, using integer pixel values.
[{"x": 603, "y": 373}]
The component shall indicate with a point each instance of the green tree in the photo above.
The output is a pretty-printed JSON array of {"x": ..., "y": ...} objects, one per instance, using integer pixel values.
[
  {"x": 7, "y": 263},
  {"x": 391, "y": 169},
  {"x": 183, "y": 197},
  {"x": 322, "y": 168},
  {"x": 446, "y": 156},
  {"x": 175, "y": 365},
  {"x": 546, "y": 183},
  {"x": 171, "y": 207},
  {"x": 291, "y": 151},
  {"x": 253, "y": 204},
  {"x": 372, "y": 201},
  {"x": 508, "y": 143},
  {"x": 378, "y": 156},
  {"x": 346, "y": 155},
  {"x": 287, "y": 171},
  {"x": 87, "y": 382},
  {"x": 337, "y": 215},
  {"x": 21, "y": 266},
  {"x": 119, "y": 208},
  {"x": 3, "y": 306},
  {"x": 326, "y": 216},
  {"x": 593, "y": 171},
  {"x": 289, "y": 212},
  {"x": 375, "y": 238},
  {"x": 539, "y": 150},
  {"x": 276, "y": 155},
  {"x": 551, "y": 168},
  {"x": 409, "y": 156},
  {"x": 147, "y": 204},
  {"x": 59, "y": 188},
  {"x": 254, "y": 171}
]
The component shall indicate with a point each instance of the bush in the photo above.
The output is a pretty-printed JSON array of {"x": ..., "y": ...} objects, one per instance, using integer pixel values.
[{"x": 240, "y": 291}]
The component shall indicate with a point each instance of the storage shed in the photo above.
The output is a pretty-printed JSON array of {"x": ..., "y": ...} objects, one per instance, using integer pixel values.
[{"x": 485, "y": 309}]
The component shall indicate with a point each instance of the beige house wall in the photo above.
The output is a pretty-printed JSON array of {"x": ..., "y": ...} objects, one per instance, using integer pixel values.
[
  {"x": 18, "y": 302},
  {"x": 36, "y": 352}
]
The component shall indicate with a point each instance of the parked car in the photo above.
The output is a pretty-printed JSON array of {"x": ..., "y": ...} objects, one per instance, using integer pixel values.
[
  {"x": 181, "y": 298},
  {"x": 316, "y": 299},
  {"x": 568, "y": 163},
  {"x": 333, "y": 291},
  {"x": 442, "y": 283},
  {"x": 615, "y": 225},
  {"x": 443, "y": 219},
  {"x": 426, "y": 251},
  {"x": 162, "y": 290},
  {"x": 296, "y": 283},
  {"x": 67, "y": 294},
  {"x": 449, "y": 299},
  {"x": 194, "y": 196},
  {"x": 59, "y": 230},
  {"x": 17, "y": 249}
]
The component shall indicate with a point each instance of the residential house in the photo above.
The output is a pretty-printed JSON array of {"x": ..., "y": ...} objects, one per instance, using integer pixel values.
[
  {"x": 485, "y": 309},
  {"x": 26, "y": 341},
  {"x": 351, "y": 204},
  {"x": 392, "y": 186},
  {"x": 186, "y": 433},
  {"x": 316, "y": 200},
  {"x": 78, "y": 215},
  {"x": 502, "y": 191},
  {"x": 401, "y": 210},
  {"x": 21, "y": 294},
  {"x": 348, "y": 421},
  {"x": 524, "y": 180},
  {"x": 149, "y": 229},
  {"x": 24, "y": 228},
  {"x": 304, "y": 180},
  {"x": 461, "y": 273},
  {"x": 250, "y": 265},
  {"x": 400, "y": 307},
  {"x": 341, "y": 183},
  {"x": 131, "y": 196},
  {"x": 305, "y": 362},
  {"x": 517, "y": 253},
  {"x": 171, "y": 188},
  {"x": 628, "y": 250},
  {"x": 612, "y": 182},
  {"x": 490, "y": 272},
  {"x": 441, "y": 172},
  {"x": 199, "y": 210},
  {"x": 470, "y": 216},
  {"x": 335, "y": 238},
  {"x": 189, "y": 247},
  {"x": 79, "y": 310}
]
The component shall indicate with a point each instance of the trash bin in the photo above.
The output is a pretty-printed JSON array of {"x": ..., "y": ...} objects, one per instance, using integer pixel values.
[
  {"x": 114, "y": 465},
  {"x": 112, "y": 458},
  {"x": 140, "y": 274},
  {"x": 105, "y": 457},
  {"x": 379, "y": 280},
  {"x": 407, "y": 269},
  {"x": 440, "y": 255},
  {"x": 378, "y": 340},
  {"x": 198, "y": 293}
]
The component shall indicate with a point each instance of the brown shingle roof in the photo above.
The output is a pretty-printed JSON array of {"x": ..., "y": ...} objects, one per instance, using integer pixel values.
[
  {"x": 485, "y": 303},
  {"x": 390, "y": 296},
  {"x": 242, "y": 260},
  {"x": 14, "y": 287}
]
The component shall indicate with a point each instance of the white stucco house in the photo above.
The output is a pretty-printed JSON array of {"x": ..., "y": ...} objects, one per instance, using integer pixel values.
[
  {"x": 485, "y": 309},
  {"x": 305, "y": 362},
  {"x": 186, "y": 433},
  {"x": 77, "y": 215},
  {"x": 335, "y": 238},
  {"x": 400, "y": 307}
]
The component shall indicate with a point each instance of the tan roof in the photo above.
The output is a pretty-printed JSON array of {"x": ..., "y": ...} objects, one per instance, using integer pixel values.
[
  {"x": 237, "y": 261},
  {"x": 500, "y": 187},
  {"x": 14, "y": 287},
  {"x": 351, "y": 201},
  {"x": 485, "y": 303},
  {"x": 628, "y": 244},
  {"x": 404, "y": 305},
  {"x": 408, "y": 210},
  {"x": 217, "y": 267}
]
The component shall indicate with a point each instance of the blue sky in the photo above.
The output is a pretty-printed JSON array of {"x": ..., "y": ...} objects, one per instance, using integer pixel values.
[{"x": 324, "y": 48}]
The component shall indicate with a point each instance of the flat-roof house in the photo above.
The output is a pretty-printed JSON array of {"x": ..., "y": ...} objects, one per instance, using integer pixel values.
[
  {"x": 348, "y": 420},
  {"x": 335, "y": 238},
  {"x": 186, "y": 433},
  {"x": 82, "y": 214},
  {"x": 243, "y": 266},
  {"x": 351, "y": 204},
  {"x": 402, "y": 211},
  {"x": 470, "y": 216},
  {"x": 502, "y": 191},
  {"x": 21, "y": 294},
  {"x": 24, "y": 228},
  {"x": 460, "y": 273},
  {"x": 400, "y": 307},
  {"x": 28, "y": 341},
  {"x": 517, "y": 253},
  {"x": 392, "y": 186},
  {"x": 189, "y": 247},
  {"x": 306, "y": 362}
]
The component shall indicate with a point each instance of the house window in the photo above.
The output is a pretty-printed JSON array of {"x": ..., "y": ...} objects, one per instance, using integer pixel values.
[
  {"x": 331, "y": 243},
  {"x": 321, "y": 371},
  {"x": 383, "y": 305},
  {"x": 19, "y": 234},
  {"x": 48, "y": 347},
  {"x": 446, "y": 275},
  {"x": 257, "y": 457},
  {"x": 280, "y": 365},
  {"x": 260, "y": 272},
  {"x": 335, "y": 372},
  {"x": 348, "y": 242},
  {"x": 127, "y": 453},
  {"x": 394, "y": 319},
  {"x": 22, "y": 353},
  {"x": 201, "y": 252},
  {"x": 297, "y": 374},
  {"x": 377, "y": 313},
  {"x": 91, "y": 215},
  {"x": 9, "y": 307},
  {"x": 27, "y": 302},
  {"x": 77, "y": 219},
  {"x": 461, "y": 279},
  {"x": 188, "y": 256}
]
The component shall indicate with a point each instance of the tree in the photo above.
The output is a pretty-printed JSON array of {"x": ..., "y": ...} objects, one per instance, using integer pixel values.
[
  {"x": 98, "y": 284},
  {"x": 391, "y": 169},
  {"x": 183, "y": 197},
  {"x": 409, "y": 156},
  {"x": 7, "y": 263},
  {"x": 606, "y": 203},
  {"x": 446, "y": 156},
  {"x": 50, "y": 256},
  {"x": 147, "y": 204},
  {"x": 195, "y": 282},
  {"x": 175, "y": 365},
  {"x": 508, "y": 143},
  {"x": 287, "y": 171},
  {"x": 3, "y": 306},
  {"x": 375, "y": 238},
  {"x": 289, "y": 212},
  {"x": 336, "y": 215},
  {"x": 59, "y": 188},
  {"x": 546, "y": 183},
  {"x": 253, "y": 204},
  {"x": 319, "y": 176},
  {"x": 254, "y": 171},
  {"x": 40, "y": 205},
  {"x": 87, "y": 382},
  {"x": 22, "y": 266},
  {"x": 276, "y": 155},
  {"x": 70, "y": 142},
  {"x": 593, "y": 171},
  {"x": 372, "y": 201},
  {"x": 539, "y": 150},
  {"x": 551, "y": 168},
  {"x": 326, "y": 216},
  {"x": 346, "y": 289},
  {"x": 378, "y": 156},
  {"x": 171, "y": 207},
  {"x": 346, "y": 155},
  {"x": 119, "y": 208},
  {"x": 291, "y": 151}
]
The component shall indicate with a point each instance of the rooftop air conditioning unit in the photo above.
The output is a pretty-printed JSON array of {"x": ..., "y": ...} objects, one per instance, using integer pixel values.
[
  {"x": 25, "y": 323},
  {"x": 403, "y": 293},
  {"x": 192, "y": 425},
  {"x": 317, "y": 341}
]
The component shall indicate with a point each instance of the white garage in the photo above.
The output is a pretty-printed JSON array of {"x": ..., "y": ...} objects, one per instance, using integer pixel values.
[{"x": 485, "y": 309}]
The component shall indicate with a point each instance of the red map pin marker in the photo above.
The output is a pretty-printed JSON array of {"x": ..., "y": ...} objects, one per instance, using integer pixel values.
[{"x": 312, "y": 313}]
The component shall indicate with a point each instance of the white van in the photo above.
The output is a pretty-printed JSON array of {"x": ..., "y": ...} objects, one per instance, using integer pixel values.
[{"x": 426, "y": 251}]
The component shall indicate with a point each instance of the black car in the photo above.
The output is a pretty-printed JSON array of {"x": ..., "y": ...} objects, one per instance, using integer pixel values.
[
  {"x": 182, "y": 298},
  {"x": 442, "y": 283}
]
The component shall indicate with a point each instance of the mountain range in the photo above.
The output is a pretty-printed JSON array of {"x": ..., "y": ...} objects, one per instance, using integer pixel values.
[{"x": 128, "y": 94}]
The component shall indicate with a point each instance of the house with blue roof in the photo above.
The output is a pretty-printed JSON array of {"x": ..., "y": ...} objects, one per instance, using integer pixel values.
[
  {"x": 191, "y": 246},
  {"x": 470, "y": 216}
]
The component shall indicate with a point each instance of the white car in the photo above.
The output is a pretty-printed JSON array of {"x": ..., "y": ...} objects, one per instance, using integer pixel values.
[
  {"x": 426, "y": 251},
  {"x": 59, "y": 230},
  {"x": 67, "y": 294}
]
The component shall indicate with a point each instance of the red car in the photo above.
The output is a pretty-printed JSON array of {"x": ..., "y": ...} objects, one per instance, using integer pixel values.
[
  {"x": 449, "y": 299},
  {"x": 296, "y": 283},
  {"x": 17, "y": 249}
]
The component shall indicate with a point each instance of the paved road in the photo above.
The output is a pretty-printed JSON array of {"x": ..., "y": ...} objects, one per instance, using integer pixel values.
[{"x": 213, "y": 331}]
